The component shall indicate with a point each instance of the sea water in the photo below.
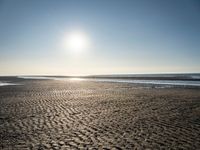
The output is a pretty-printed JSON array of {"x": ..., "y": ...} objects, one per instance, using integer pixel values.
[
  {"x": 183, "y": 80},
  {"x": 7, "y": 83}
]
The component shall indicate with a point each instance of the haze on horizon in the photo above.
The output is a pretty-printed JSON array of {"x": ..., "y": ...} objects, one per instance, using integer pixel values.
[{"x": 124, "y": 36}]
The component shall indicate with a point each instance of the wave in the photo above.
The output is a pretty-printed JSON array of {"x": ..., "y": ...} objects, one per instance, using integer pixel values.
[{"x": 7, "y": 83}]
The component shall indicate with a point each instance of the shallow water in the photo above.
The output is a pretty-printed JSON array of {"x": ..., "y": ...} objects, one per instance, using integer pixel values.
[
  {"x": 152, "y": 82},
  {"x": 7, "y": 83},
  {"x": 126, "y": 79}
]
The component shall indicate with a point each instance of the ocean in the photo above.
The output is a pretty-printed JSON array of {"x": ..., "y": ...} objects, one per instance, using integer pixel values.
[{"x": 149, "y": 80}]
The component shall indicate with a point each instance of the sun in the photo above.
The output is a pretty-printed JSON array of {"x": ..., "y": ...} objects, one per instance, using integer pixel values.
[{"x": 77, "y": 41}]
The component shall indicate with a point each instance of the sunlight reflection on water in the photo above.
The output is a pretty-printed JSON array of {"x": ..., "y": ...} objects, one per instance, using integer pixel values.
[
  {"x": 76, "y": 79},
  {"x": 164, "y": 83},
  {"x": 6, "y": 83}
]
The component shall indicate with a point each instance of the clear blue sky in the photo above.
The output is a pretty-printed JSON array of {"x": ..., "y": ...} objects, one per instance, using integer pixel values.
[{"x": 128, "y": 36}]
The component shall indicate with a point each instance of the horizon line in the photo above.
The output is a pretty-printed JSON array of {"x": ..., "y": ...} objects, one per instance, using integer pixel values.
[{"x": 155, "y": 73}]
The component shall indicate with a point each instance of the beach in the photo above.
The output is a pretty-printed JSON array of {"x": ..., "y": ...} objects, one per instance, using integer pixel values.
[{"x": 72, "y": 114}]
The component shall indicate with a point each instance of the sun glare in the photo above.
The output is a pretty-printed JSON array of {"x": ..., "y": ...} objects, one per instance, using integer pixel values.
[{"x": 77, "y": 41}]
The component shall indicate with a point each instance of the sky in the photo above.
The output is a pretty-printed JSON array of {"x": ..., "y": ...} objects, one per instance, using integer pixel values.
[{"x": 126, "y": 36}]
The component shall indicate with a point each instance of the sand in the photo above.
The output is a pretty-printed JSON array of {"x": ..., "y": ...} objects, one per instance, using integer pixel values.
[{"x": 49, "y": 114}]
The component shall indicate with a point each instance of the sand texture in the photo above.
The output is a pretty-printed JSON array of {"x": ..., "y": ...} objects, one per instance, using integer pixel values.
[{"x": 48, "y": 114}]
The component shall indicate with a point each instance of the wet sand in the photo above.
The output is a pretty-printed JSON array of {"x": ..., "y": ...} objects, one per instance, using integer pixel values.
[{"x": 49, "y": 114}]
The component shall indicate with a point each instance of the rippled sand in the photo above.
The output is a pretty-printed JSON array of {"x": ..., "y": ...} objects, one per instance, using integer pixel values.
[{"x": 48, "y": 114}]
